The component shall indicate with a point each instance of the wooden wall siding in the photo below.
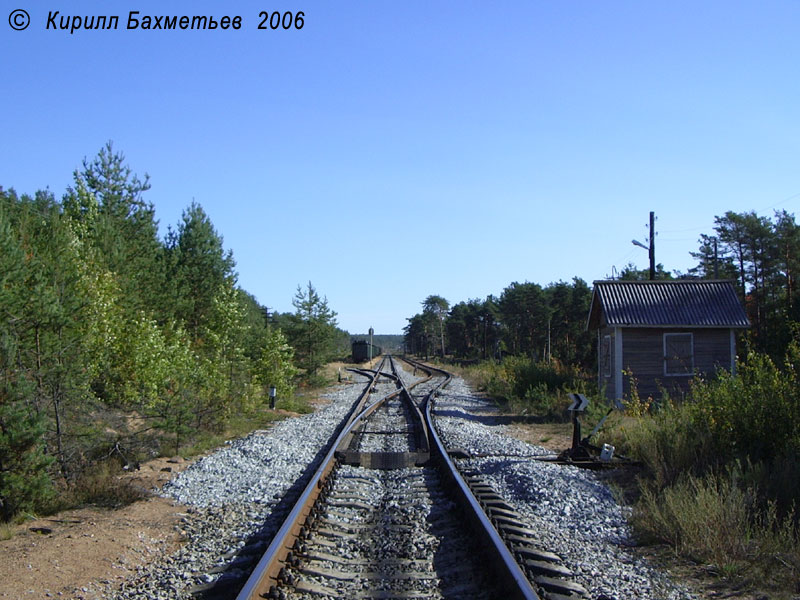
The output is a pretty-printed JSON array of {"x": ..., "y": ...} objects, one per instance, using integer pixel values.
[
  {"x": 713, "y": 351},
  {"x": 643, "y": 354},
  {"x": 603, "y": 379}
]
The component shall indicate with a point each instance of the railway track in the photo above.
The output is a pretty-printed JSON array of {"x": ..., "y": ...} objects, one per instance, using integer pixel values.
[{"x": 384, "y": 516}]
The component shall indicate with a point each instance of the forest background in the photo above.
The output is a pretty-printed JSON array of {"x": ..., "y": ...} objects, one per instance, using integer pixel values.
[{"x": 116, "y": 345}]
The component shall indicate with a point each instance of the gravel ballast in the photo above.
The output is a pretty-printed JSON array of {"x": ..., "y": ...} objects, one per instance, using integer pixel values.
[
  {"x": 574, "y": 513},
  {"x": 233, "y": 492}
]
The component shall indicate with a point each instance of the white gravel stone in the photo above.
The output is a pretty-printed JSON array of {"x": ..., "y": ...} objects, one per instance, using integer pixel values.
[
  {"x": 232, "y": 493},
  {"x": 260, "y": 467},
  {"x": 574, "y": 513}
]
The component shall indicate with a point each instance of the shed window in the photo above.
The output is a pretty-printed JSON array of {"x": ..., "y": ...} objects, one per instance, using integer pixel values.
[{"x": 678, "y": 354}]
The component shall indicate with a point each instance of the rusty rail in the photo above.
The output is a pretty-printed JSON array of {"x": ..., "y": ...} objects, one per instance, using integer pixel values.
[
  {"x": 267, "y": 574},
  {"x": 511, "y": 580}
]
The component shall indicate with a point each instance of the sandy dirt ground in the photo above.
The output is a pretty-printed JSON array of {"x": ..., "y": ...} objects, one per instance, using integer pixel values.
[{"x": 79, "y": 553}]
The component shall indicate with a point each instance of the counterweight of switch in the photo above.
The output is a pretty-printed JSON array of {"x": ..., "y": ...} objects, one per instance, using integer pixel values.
[{"x": 279, "y": 20}]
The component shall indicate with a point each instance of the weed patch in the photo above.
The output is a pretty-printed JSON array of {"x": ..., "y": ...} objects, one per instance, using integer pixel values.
[
  {"x": 705, "y": 518},
  {"x": 529, "y": 387},
  {"x": 6, "y": 532},
  {"x": 721, "y": 477},
  {"x": 100, "y": 485}
]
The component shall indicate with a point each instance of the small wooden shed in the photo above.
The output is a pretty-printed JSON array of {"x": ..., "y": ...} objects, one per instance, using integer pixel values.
[{"x": 663, "y": 333}]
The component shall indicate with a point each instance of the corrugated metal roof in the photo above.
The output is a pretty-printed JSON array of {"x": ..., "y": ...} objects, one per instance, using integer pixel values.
[{"x": 684, "y": 303}]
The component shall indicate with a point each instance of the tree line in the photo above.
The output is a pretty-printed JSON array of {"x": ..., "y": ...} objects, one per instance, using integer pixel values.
[
  {"x": 525, "y": 319},
  {"x": 763, "y": 256},
  {"x": 760, "y": 254},
  {"x": 104, "y": 324}
]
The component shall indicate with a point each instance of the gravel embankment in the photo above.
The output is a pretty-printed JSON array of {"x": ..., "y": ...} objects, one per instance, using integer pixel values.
[
  {"x": 575, "y": 514},
  {"x": 232, "y": 493}
]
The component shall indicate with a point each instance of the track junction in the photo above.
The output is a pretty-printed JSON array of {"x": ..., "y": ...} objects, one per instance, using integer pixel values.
[
  {"x": 388, "y": 513},
  {"x": 397, "y": 521}
]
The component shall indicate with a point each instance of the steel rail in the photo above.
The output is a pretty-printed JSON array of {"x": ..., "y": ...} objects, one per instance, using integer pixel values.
[
  {"x": 423, "y": 439},
  {"x": 267, "y": 572},
  {"x": 511, "y": 579}
]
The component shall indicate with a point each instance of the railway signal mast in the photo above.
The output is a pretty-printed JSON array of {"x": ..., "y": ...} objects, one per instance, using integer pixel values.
[{"x": 371, "y": 331}]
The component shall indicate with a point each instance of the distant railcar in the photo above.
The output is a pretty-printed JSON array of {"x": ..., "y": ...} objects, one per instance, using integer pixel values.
[{"x": 361, "y": 350}]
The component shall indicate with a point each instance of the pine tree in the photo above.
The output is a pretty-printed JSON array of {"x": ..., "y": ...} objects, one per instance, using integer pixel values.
[
  {"x": 313, "y": 329},
  {"x": 52, "y": 321},
  {"x": 275, "y": 364},
  {"x": 107, "y": 202},
  {"x": 415, "y": 336},
  {"x": 23, "y": 462},
  {"x": 437, "y": 306},
  {"x": 201, "y": 269},
  {"x": 524, "y": 313}
]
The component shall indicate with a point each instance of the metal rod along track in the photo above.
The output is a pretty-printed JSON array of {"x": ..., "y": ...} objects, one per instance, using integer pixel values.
[
  {"x": 267, "y": 572},
  {"x": 510, "y": 579}
]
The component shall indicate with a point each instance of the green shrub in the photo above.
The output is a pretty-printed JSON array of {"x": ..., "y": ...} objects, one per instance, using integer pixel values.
[
  {"x": 523, "y": 374},
  {"x": 666, "y": 439},
  {"x": 722, "y": 475},
  {"x": 296, "y": 403},
  {"x": 529, "y": 387},
  {"x": 755, "y": 414},
  {"x": 24, "y": 482},
  {"x": 539, "y": 401},
  {"x": 778, "y": 481},
  {"x": 752, "y": 418}
]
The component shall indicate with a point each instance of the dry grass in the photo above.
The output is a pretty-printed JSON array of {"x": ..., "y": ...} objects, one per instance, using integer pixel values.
[
  {"x": 713, "y": 521},
  {"x": 707, "y": 519},
  {"x": 101, "y": 485},
  {"x": 713, "y": 512}
]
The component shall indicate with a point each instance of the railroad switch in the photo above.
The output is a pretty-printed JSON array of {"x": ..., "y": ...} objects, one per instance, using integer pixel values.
[
  {"x": 579, "y": 451},
  {"x": 583, "y": 453}
]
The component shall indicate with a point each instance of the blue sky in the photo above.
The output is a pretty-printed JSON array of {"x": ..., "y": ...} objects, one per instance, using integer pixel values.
[{"x": 392, "y": 150}]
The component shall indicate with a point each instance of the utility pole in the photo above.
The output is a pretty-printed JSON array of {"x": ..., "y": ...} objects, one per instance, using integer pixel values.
[
  {"x": 651, "y": 250},
  {"x": 652, "y": 245},
  {"x": 716, "y": 260}
]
